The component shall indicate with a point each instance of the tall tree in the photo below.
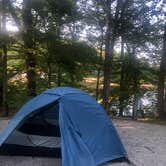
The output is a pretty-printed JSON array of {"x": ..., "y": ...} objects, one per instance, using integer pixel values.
[
  {"x": 122, "y": 82},
  {"x": 29, "y": 46},
  {"x": 161, "y": 83},
  {"x": 4, "y": 59},
  {"x": 1, "y": 85},
  {"x": 135, "y": 29},
  {"x": 108, "y": 56},
  {"x": 27, "y": 34},
  {"x": 94, "y": 18},
  {"x": 111, "y": 34},
  {"x": 99, "y": 70}
]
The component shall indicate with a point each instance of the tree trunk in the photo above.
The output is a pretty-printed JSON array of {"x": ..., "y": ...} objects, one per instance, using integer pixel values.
[
  {"x": 49, "y": 74},
  {"x": 98, "y": 83},
  {"x": 136, "y": 82},
  {"x": 1, "y": 84},
  {"x": 29, "y": 47},
  {"x": 160, "y": 104},
  {"x": 108, "y": 58},
  {"x": 111, "y": 30},
  {"x": 165, "y": 101},
  {"x": 121, "y": 97},
  {"x": 99, "y": 68},
  {"x": 59, "y": 76},
  {"x": 135, "y": 106},
  {"x": 4, "y": 60}
]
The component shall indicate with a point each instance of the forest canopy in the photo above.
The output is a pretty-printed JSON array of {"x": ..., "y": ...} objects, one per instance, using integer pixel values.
[{"x": 113, "y": 49}]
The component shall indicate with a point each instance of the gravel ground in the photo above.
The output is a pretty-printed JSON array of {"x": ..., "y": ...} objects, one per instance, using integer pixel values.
[{"x": 145, "y": 144}]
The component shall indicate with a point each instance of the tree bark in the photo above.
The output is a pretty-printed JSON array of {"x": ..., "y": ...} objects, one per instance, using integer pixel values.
[
  {"x": 135, "y": 106},
  {"x": 99, "y": 68},
  {"x": 1, "y": 85},
  {"x": 136, "y": 82},
  {"x": 111, "y": 32},
  {"x": 4, "y": 60},
  {"x": 29, "y": 47},
  {"x": 121, "y": 97},
  {"x": 1, "y": 82},
  {"x": 108, "y": 58},
  {"x": 59, "y": 76},
  {"x": 49, "y": 74},
  {"x": 161, "y": 81}
]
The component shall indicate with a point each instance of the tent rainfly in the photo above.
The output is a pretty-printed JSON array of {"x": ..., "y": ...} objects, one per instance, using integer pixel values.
[{"x": 63, "y": 122}]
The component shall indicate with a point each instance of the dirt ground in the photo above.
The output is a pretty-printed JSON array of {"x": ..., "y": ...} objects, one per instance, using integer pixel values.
[{"x": 145, "y": 144}]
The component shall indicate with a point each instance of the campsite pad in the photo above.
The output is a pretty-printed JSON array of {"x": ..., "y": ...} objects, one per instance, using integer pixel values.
[{"x": 145, "y": 144}]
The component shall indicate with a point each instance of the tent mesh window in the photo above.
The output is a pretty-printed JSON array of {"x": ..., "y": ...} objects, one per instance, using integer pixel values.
[{"x": 38, "y": 135}]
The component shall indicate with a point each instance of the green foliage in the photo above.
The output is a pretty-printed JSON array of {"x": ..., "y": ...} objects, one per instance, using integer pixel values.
[
  {"x": 62, "y": 57},
  {"x": 137, "y": 72},
  {"x": 76, "y": 59}
]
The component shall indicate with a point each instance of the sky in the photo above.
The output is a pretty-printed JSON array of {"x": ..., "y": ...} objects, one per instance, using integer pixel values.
[{"x": 11, "y": 26}]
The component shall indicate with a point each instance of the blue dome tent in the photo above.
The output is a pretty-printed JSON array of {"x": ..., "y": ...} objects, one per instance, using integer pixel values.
[{"x": 63, "y": 121}]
